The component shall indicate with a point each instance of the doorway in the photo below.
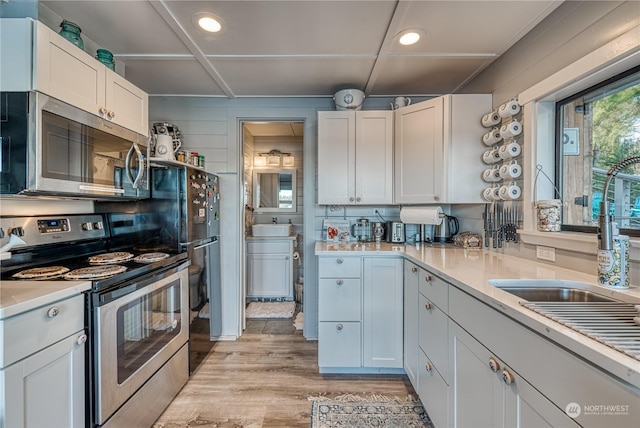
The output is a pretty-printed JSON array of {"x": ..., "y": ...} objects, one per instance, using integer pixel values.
[{"x": 273, "y": 154}]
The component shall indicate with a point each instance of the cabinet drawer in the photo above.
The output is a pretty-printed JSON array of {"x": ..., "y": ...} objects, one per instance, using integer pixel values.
[
  {"x": 339, "y": 344},
  {"x": 339, "y": 267},
  {"x": 434, "y": 332},
  {"x": 269, "y": 247},
  {"x": 434, "y": 289},
  {"x": 339, "y": 299},
  {"x": 32, "y": 331},
  {"x": 433, "y": 392}
]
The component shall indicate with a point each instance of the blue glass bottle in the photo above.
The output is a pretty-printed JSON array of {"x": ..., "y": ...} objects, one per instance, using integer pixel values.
[{"x": 71, "y": 32}]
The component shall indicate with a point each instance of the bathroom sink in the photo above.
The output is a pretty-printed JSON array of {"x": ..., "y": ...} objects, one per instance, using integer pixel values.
[
  {"x": 534, "y": 290},
  {"x": 270, "y": 229}
]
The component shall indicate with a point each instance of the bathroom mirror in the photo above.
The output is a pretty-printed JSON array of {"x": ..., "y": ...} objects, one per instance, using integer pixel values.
[{"x": 274, "y": 190}]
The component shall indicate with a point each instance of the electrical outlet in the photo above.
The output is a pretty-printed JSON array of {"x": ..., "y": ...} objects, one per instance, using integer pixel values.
[
  {"x": 380, "y": 211},
  {"x": 546, "y": 253}
]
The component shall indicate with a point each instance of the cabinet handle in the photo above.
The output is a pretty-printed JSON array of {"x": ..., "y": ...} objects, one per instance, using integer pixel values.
[
  {"x": 429, "y": 367},
  {"x": 428, "y": 278},
  {"x": 428, "y": 306},
  {"x": 111, "y": 114},
  {"x": 507, "y": 378},
  {"x": 358, "y": 199},
  {"x": 286, "y": 257},
  {"x": 53, "y": 312},
  {"x": 494, "y": 365},
  {"x": 351, "y": 199},
  {"x": 414, "y": 269},
  {"x": 81, "y": 339},
  {"x": 102, "y": 111},
  {"x": 339, "y": 261},
  {"x": 339, "y": 326},
  {"x": 339, "y": 282}
]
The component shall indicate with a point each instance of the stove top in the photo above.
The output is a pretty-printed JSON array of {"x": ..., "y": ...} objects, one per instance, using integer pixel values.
[
  {"x": 105, "y": 274},
  {"x": 91, "y": 247}
]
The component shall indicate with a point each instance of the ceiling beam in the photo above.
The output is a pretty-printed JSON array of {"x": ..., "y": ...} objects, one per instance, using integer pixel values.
[
  {"x": 166, "y": 14},
  {"x": 385, "y": 47}
]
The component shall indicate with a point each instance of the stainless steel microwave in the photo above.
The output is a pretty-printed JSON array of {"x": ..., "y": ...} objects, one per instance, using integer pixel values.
[{"x": 52, "y": 148}]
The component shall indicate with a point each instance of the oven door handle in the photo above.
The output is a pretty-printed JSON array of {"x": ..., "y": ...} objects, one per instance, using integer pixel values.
[{"x": 101, "y": 299}]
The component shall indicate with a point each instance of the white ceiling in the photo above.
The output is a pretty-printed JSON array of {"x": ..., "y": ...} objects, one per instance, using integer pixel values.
[{"x": 303, "y": 47}]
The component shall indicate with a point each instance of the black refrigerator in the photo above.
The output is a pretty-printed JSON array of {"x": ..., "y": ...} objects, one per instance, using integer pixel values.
[{"x": 189, "y": 201}]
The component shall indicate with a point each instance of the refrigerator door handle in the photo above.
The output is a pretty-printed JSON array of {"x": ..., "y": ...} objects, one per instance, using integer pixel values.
[{"x": 208, "y": 244}]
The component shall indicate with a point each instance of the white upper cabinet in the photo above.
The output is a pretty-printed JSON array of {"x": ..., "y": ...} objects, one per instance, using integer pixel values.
[
  {"x": 438, "y": 150},
  {"x": 48, "y": 63},
  {"x": 355, "y": 157}
]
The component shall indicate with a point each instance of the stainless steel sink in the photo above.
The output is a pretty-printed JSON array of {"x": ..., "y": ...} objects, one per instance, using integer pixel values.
[
  {"x": 557, "y": 290},
  {"x": 556, "y": 294}
]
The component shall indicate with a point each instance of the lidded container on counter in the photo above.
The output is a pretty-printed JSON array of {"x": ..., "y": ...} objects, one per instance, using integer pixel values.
[{"x": 549, "y": 216}]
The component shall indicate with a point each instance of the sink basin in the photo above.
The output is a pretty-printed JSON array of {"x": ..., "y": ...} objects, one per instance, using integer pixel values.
[
  {"x": 545, "y": 290},
  {"x": 556, "y": 294},
  {"x": 272, "y": 229}
]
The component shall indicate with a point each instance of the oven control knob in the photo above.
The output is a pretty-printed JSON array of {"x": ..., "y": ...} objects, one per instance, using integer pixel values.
[
  {"x": 81, "y": 339},
  {"x": 53, "y": 312},
  {"x": 87, "y": 226},
  {"x": 98, "y": 225},
  {"x": 18, "y": 231}
]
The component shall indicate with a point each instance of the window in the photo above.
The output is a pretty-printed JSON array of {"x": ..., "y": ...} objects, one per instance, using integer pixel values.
[{"x": 597, "y": 128}]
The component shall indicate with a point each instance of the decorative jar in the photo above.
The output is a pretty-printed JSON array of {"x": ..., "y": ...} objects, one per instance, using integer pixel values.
[
  {"x": 106, "y": 57},
  {"x": 71, "y": 32}
]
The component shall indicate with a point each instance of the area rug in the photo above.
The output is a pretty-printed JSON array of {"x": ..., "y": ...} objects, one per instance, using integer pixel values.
[
  {"x": 270, "y": 309},
  {"x": 375, "y": 412}
]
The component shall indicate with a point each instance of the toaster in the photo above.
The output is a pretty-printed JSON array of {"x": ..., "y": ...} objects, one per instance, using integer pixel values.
[{"x": 394, "y": 232}]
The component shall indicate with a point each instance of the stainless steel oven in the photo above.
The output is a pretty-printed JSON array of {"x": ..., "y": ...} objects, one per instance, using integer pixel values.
[
  {"x": 137, "y": 310},
  {"x": 52, "y": 148},
  {"x": 139, "y": 328}
]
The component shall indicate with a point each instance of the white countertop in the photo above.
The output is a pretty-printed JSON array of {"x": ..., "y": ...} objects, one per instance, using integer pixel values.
[
  {"x": 17, "y": 297},
  {"x": 471, "y": 269}
]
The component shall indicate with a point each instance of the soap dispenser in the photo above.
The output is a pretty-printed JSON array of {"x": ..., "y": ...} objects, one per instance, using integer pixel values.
[{"x": 613, "y": 264}]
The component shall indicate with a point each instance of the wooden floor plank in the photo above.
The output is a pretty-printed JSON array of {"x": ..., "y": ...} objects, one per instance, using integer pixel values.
[{"x": 264, "y": 380}]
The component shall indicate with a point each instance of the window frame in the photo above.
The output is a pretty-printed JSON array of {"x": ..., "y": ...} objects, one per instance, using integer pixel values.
[
  {"x": 559, "y": 105},
  {"x": 616, "y": 56}
]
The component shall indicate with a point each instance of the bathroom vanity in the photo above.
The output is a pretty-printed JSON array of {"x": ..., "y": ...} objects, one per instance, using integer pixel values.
[{"x": 270, "y": 267}]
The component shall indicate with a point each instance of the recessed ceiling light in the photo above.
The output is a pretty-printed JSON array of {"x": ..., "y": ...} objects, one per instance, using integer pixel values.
[
  {"x": 410, "y": 36},
  {"x": 209, "y": 22}
]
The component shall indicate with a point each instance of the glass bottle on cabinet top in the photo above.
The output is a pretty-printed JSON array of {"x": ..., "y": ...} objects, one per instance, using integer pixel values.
[{"x": 71, "y": 32}]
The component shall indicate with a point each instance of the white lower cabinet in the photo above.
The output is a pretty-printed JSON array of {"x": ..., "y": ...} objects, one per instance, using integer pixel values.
[
  {"x": 382, "y": 325},
  {"x": 339, "y": 344},
  {"x": 270, "y": 268},
  {"x": 547, "y": 378},
  {"x": 42, "y": 370},
  {"x": 411, "y": 346},
  {"x": 360, "y": 314},
  {"x": 488, "y": 393},
  {"x": 461, "y": 382},
  {"x": 433, "y": 391}
]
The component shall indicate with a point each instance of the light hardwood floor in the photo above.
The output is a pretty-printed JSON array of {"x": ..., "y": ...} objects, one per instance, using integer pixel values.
[{"x": 264, "y": 380}]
